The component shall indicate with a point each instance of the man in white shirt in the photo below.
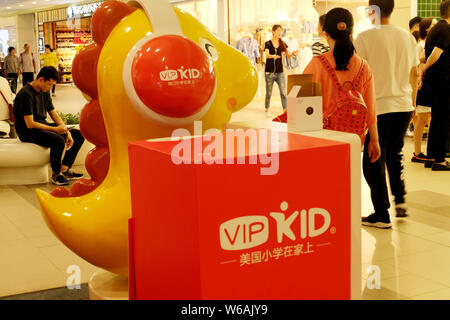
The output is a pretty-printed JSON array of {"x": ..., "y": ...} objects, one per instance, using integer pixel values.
[
  {"x": 392, "y": 55},
  {"x": 28, "y": 65}
]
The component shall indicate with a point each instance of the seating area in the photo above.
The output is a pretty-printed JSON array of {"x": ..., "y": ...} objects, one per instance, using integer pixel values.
[{"x": 26, "y": 163}]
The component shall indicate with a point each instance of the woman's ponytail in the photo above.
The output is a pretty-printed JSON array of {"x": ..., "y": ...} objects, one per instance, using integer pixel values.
[
  {"x": 343, "y": 51},
  {"x": 339, "y": 25}
]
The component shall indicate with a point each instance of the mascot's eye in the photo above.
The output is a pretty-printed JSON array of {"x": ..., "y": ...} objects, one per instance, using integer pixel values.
[{"x": 209, "y": 49}]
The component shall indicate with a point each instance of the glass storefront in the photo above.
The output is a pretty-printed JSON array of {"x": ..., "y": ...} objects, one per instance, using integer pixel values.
[
  {"x": 8, "y": 37},
  {"x": 67, "y": 32},
  {"x": 255, "y": 18}
]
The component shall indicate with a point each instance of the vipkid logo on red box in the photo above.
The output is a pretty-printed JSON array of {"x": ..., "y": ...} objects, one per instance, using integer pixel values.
[{"x": 253, "y": 231}]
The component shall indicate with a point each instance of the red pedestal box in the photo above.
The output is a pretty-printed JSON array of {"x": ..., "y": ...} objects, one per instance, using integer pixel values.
[{"x": 223, "y": 231}]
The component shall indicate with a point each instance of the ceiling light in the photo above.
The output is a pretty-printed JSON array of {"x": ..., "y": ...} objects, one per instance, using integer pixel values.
[
  {"x": 20, "y": 5},
  {"x": 34, "y": 2}
]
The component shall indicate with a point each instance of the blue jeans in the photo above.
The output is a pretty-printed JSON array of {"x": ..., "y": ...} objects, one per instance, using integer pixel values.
[{"x": 281, "y": 81}]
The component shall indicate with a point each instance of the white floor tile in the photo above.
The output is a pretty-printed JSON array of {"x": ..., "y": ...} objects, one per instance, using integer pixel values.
[
  {"x": 432, "y": 265},
  {"x": 387, "y": 270},
  {"x": 414, "y": 228},
  {"x": 28, "y": 276},
  {"x": 380, "y": 245},
  {"x": 8, "y": 231},
  {"x": 436, "y": 295},
  {"x": 63, "y": 258},
  {"x": 441, "y": 238},
  {"x": 411, "y": 285}
]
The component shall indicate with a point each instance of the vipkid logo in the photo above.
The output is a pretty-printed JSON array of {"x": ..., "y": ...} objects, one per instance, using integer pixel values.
[
  {"x": 182, "y": 74},
  {"x": 252, "y": 231}
]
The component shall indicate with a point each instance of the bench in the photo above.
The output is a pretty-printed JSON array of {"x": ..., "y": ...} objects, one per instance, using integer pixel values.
[{"x": 24, "y": 163}]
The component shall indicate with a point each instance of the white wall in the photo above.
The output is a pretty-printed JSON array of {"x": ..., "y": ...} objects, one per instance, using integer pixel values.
[
  {"x": 26, "y": 33},
  {"x": 402, "y": 13},
  {"x": 400, "y": 17},
  {"x": 7, "y": 22},
  {"x": 8, "y": 25}
]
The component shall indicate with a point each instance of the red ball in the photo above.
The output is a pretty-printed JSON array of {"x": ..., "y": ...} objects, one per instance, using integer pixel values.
[
  {"x": 106, "y": 17},
  {"x": 92, "y": 124},
  {"x": 173, "y": 76},
  {"x": 60, "y": 192},
  {"x": 82, "y": 187}
]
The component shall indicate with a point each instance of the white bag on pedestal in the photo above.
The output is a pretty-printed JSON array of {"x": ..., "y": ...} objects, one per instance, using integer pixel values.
[{"x": 305, "y": 113}]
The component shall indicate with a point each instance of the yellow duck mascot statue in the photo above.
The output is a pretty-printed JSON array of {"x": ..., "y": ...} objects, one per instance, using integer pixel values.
[{"x": 152, "y": 68}]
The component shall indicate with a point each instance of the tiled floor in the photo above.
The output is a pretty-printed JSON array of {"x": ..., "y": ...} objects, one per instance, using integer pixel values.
[{"x": 413, "y": 257}]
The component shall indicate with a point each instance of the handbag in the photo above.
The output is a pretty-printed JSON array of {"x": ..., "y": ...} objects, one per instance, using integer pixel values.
[{"x": 10, "y": 107}]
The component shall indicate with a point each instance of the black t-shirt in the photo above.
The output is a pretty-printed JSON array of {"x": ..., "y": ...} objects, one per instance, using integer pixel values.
[
  {"x": 439, "y": 37},
  {"x": 273, "y": 65},
  {"x": 30, "y": 102}
]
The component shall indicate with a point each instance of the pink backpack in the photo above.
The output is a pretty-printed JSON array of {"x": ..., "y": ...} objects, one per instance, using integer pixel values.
[{"x": 349, "y": 111}]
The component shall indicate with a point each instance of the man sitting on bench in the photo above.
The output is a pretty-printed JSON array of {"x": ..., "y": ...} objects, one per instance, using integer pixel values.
[{"x": 31, "y": 106}]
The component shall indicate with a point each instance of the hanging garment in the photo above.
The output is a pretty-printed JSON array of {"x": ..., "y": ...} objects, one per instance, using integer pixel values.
[
  {"x": 292, "y": 43},
  {"x": 291, "y": 63},
  {"x": 249, "y": 47}
]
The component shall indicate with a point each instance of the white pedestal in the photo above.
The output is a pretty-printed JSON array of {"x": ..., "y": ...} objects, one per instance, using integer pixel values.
[{"x": 105, "y": 285}]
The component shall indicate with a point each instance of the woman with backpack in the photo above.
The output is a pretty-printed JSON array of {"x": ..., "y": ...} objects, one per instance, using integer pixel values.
[{"x": 347, "y": 83}]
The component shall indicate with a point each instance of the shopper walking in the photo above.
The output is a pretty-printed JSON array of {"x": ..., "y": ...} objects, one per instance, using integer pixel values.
[
  {"x": 28, "y": 65},
  {"x": 50, "y": 59},
  {"x": 31, "y": 106},
  {"x": 12, "y": 68},
  {"x": 320, "y": 47},
  {"x": 391, "y": 52},
  {"x": 424, "y": 96},
  {"x": 274, "y": 72},
  {"x": 347, "y": 67},
  {"x": 437, "y": 70}
]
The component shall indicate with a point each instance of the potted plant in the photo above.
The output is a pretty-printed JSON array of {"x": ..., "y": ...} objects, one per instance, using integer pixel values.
[{"x": 69, "y": 118}]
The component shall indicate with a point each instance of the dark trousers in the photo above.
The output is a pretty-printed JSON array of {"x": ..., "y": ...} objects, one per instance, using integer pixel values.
[
  {"x": 53, "y": 88},
  {"x": 447, "y": 146},
  {"x": 440, "y": 118},
  {"x": 56, "y": 142},
  {"x": 12, "y": 79},
  {"x": 391, "y": 130},
  {"x": 27, "y": 77}
]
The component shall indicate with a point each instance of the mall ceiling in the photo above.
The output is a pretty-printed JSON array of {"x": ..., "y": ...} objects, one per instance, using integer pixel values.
[{"x": 15, "y": 7}]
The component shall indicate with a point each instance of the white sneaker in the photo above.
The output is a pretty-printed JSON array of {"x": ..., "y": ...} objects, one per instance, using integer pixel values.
[{"x": 267, "y": 113}]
